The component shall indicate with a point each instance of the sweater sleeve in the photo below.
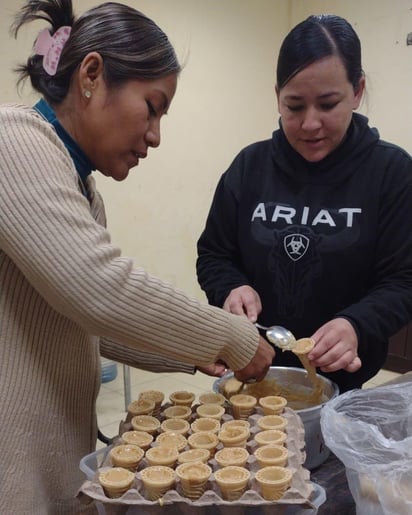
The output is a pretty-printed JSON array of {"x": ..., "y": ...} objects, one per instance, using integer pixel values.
[
  {"x": 218, "y": 267},
  {"x": 145, "y": 360},
  {"x": 47, "y": 229}
]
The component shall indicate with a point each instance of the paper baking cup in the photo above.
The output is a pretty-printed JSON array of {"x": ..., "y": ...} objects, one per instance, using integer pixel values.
[
  {"x": 232, "y": 482},
  {"x": 166, "y": 456},
  {"x": 204, "y": 440},
  {"x": 273, "y": 404},
  {"x": 192, "y": 455},
  {"x": 242, "y": 405},
  {"x": 182, "y": 398},
  {"x": 145, "y": 423},
  {"x": 236, "y": 423},
  {"x": 304, "y": 345},
  {"x": 272, "y": 422},
  {"x": 232, "y": 456},
  {"x": 178, "y": 411},
  {"x": 269, "y": 455},
  {"x": 157, "y": 480},
  {"x": 116, "y": 481},
  {"x": 273, "y": 482},
  {"x": 210, "y": 411},
  {"x": 174, "y": 440},
  {"x": 212, "y": 398},
  {"x": 270, "y": 437},
  {"x": 234, "y": 436},
  {"x": 205, "y": 424},
  {"x": 140, "y": 438},
  {"x": 175, "y": 425},
  {"x": 127, "y": 456},
  {"x": 155, "y": 395},
  {"x": 141, "y": 407},
  {"x": 193, "y": 478}
]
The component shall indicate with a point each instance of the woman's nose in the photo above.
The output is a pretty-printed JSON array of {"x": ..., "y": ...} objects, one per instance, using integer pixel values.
[
  {"x": 311, "y": 119},
  {"x": 153, "y": 135}
]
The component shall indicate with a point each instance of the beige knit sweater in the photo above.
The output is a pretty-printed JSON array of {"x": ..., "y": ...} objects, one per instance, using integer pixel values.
[{"x": 64, "y": 286}]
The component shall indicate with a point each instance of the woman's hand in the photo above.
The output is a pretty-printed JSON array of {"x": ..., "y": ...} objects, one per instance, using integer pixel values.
[
  {"x": 258, "y": 367},
  {"x": 244, "y": 301},
  {"x": 255, "y": 371},
  {"x": 217, "y": 369},
  {"x": 336, "y": 347}
]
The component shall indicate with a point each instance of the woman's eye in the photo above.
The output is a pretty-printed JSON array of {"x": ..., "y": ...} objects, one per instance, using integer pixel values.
[
  {"x": 328, "y": 107},
  {"x": 152, "y": 110},
  {"x": 295, "y": 108}
]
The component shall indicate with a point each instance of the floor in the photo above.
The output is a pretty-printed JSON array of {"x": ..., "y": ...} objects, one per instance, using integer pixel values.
[{"x": 111, "y": 409}]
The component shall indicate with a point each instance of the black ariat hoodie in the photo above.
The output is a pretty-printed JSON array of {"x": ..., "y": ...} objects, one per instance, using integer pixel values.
[{"x": 317, "y": 240}]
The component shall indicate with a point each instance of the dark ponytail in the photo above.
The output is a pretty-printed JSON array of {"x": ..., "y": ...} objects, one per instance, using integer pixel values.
[
  {"x": 57, "y": 13},
  {"x": 132, "y": 45}
]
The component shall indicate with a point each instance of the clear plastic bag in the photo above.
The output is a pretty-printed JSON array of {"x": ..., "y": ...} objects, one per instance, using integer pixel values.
[{"x": 370, "y": 431}]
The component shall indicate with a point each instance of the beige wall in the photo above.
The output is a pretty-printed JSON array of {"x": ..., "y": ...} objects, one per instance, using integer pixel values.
[
  {"x": 382, "y": 26},
  {"x": 225, "y": 100}
]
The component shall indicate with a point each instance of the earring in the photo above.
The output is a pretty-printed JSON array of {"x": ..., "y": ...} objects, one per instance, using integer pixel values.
[{"x": 88, "y": 93}]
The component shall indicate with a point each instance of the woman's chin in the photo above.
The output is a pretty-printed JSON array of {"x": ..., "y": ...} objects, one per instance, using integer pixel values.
[{"x": 118, "y": 174}]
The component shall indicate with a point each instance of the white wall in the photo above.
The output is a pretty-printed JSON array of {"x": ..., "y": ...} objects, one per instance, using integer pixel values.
[
  {"x": 225, "y": 100},
  {"x": 382, "y": 26}
]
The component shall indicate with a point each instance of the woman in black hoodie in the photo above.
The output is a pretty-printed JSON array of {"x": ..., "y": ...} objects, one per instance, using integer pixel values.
[{"x": 311, "y": 229}]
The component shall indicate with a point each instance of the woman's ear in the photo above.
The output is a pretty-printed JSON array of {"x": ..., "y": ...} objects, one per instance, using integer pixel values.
[
  {"x": 359, "y": 93},
  {"x": 90, "y": 73},
  {"x": 277, "y": 91}
]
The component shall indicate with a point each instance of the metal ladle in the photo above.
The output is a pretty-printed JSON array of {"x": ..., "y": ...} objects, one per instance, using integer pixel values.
[{"x": 279, "y": 336}]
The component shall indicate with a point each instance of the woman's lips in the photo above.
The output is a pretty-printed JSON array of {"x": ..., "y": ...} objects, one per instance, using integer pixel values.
[
  {"x": 137, "y": 156},
  {"x": 313, "y": 140},
  {"x": 313, "y": 143}
]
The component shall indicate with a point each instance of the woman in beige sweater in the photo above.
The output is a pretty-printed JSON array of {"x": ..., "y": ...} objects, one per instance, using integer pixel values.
[{"x": 67, "y": 294}]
